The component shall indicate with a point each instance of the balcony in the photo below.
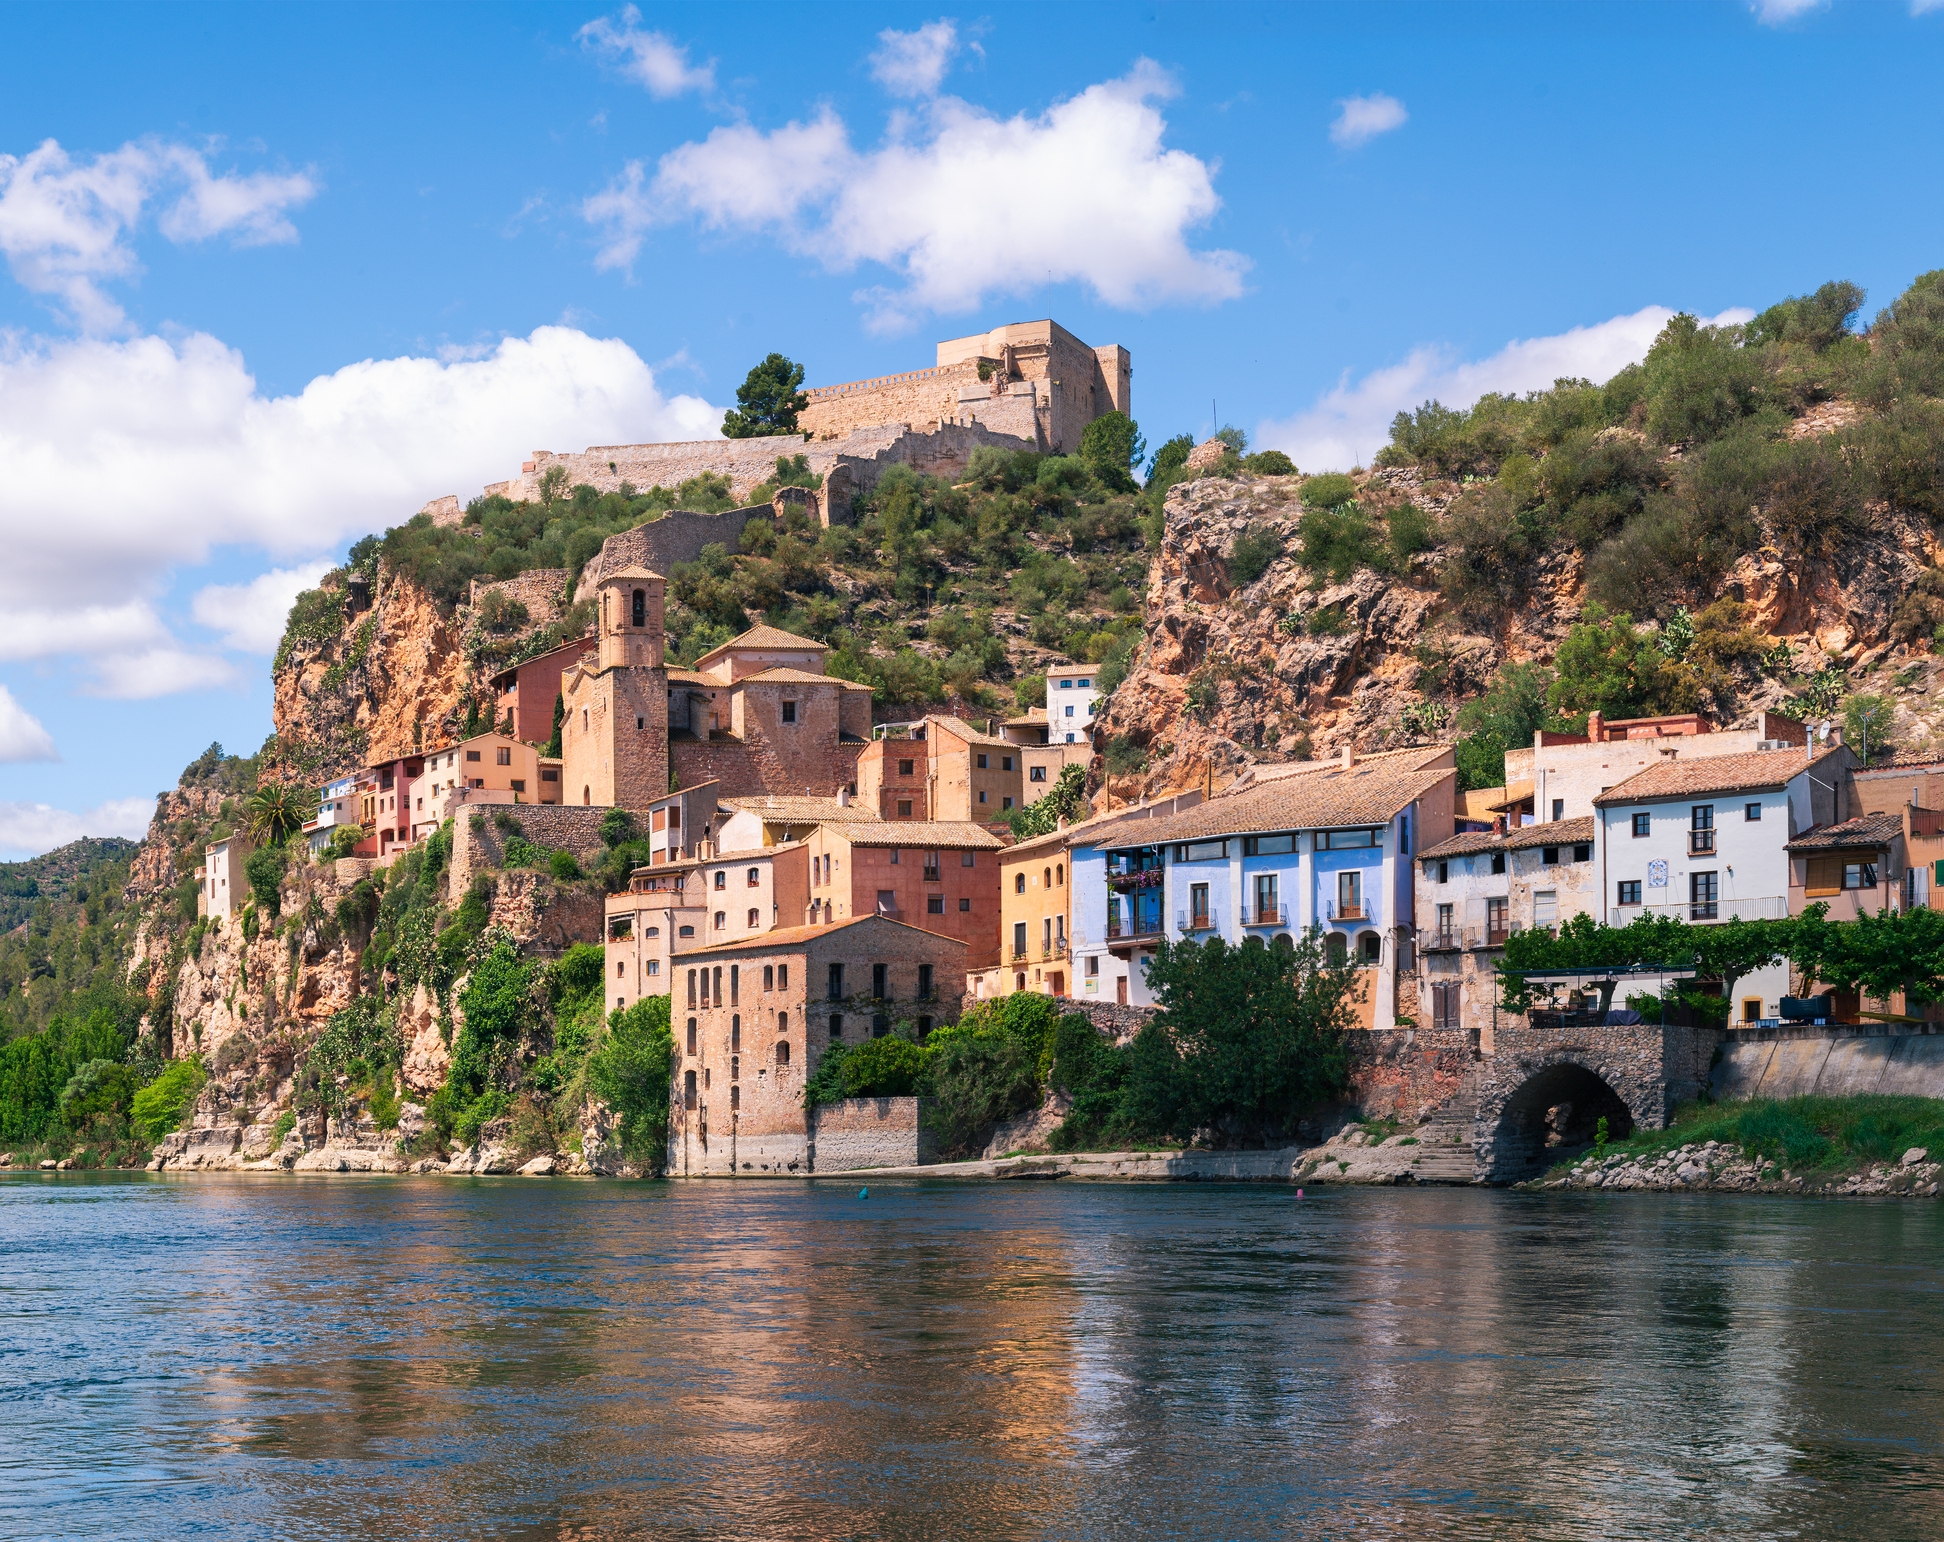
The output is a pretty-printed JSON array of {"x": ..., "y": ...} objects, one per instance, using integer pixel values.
[
  {"x": 1701, "y": 843},
  {"x": 1446, "y": 939},
  {"x": 1495, "y": 936},
  {"x": 1198, "y": 922},
  {"x": 1019, "y": 954},
  {"x": 1057, "y": 948},
  {"x": 1774, "y": 907},
  {"x": 1266, "y": 915},
  {"x": 1133, "y": 926}
]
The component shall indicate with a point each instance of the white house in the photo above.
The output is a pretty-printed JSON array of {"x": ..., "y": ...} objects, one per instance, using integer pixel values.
[
  {"x": 338, "y": 804},
  {"x": 223, "y": 880},
  {"x": 1325, "y": 845},
  {"x": 1707, "y": 841},
  {"x": 1070, "y": 703}
]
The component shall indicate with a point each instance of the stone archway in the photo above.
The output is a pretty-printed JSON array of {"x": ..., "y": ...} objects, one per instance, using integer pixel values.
[{"x": 1550, "y": 1110}]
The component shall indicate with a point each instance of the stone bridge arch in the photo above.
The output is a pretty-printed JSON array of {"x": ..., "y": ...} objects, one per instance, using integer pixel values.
[{"x": 1538, "y": 1086}]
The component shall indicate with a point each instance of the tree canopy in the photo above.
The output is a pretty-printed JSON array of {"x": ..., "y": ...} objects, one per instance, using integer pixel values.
[{"x": 768, "y": 400}]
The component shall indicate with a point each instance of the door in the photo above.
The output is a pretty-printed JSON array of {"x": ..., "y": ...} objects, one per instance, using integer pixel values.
[{"x": 1120, "y": 990}]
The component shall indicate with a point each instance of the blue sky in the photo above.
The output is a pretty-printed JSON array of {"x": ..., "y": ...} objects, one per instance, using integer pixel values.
[{"x": 274, "y": 276}]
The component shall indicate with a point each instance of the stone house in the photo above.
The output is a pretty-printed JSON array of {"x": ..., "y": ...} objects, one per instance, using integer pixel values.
[
  {"x": 679, "y": 825},
  {"x": 940, "y": 876},
  {"x": 1042, "y": 758},
  {"x": 1708, "y": 840},
  {"x": 941, "y": 768},
  {"x": 1070, "y": 704},
  {"x": 485, "y": 763},
  {"x": 753, "y": 1018},
  {"x": 771, "y": 819},
  {"x": 1479, "y": 888},
  {"x": 524, "y": 694}
]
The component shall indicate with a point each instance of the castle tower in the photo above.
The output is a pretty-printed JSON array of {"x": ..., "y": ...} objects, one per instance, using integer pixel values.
[{"x": 614, "y": 735}]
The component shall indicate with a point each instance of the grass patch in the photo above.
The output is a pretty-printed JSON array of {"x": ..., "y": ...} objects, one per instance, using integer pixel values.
[{"x": 1805, "y": 1135}]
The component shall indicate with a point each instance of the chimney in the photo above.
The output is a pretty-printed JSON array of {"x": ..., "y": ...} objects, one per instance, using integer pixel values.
[
  {"x": 843, "y": 797},
  {"x": 1349, "y": 757},
  {"x": 1596, "y": 726},
  {"x": 1498, "y": 825}
]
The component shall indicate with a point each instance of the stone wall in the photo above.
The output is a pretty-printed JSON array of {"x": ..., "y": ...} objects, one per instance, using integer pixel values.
[
  {"x": 1119, "y": 1023},
  {"x": 538, "y": 589},
  {"x": 1410, "y": 1074},
  {"x": 916, "y": 396},
  {"x": 479, "y": 845},
  {"x": 677, "y": 536},
  {"x": 1843, "y": 1060},
  {"x": 870, "y": 1132}
]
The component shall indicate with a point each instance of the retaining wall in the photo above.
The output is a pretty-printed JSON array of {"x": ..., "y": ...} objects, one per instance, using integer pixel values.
[
  {"x": 677, "y": 536},
  {"x": 1843, "y": 1060},
  {"x": 861, "y": 1133},
  {"x": 479, "y": 845}
]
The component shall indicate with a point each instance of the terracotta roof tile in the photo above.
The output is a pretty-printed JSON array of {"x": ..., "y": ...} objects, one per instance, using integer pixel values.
[
  {"x": 799, "y": 809},
  {"x": 1870, "y": 831},
  {"x": 1464, "y": 844},
  {"x": 1367, "y": 793},
  {"x": 1678, "y": 778},
  {"x": 764, "y": 636},
  {"x": 782, "y": 676},
  {"x": 785, "y": 937},
  {"x": 1560, "y": 832},
  {"x": 922, "y": 832}
]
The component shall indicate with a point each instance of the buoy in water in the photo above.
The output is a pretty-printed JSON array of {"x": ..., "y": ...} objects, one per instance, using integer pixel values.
[
  {"x": 863, "y": 1193},
  {"x": 1299, "y": 1193}
]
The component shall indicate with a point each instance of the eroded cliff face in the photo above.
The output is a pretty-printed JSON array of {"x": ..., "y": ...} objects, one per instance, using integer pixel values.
[
  {"x": 394, "y": 679},
  {"x": 1232, "y": 673}
]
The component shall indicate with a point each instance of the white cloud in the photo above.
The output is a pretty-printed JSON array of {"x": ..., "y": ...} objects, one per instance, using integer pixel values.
[
  {"x": 127, "y": 458},
  {"x": 913, "y": 63},
  {"x": 251, "y": 616},
  {"x": 971, "y": 205},
  {"x": 1361, "y": 119},
  {"x": 21, "y": 735},
  {"x": 64, "y": 224},
  {"x": 1925, "y": 7},
  {"x": 1773, "y": 13},
  {"x": 651, "y": 59},
  {"x": 28, "y": 829},
  {"x": 1351, "y": 422}
]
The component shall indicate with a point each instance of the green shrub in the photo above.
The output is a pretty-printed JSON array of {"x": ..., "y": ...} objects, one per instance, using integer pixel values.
[
  {"x": 1330, "y": 490},
  {"x": 617, "y": 827},
  {"x": 888, "y": 1067},
  {"x": 280, "y": 1131},
  {"x": 1252, "y": 553},
  {"x": 160, "y": 1107},
  {"x": 1338, "y": 541},
  {"x": 1269, "y": 463},
  {"x": 1700, "y": 382},
  {"x": 564, "y": 866},
  {"x": 97, "y": 1087},
  {"x": 264, "y": 868},
  {"x": 978, "y": 1078},
  {"x": 1411, "y": 531},
  {"x": 630, "y": 1071}
]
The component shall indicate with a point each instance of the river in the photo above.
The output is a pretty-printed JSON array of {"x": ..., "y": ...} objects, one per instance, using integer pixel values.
[{"x": 238, "y": 1356}]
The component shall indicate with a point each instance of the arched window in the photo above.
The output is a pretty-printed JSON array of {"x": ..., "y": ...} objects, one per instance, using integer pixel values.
[
  {"x": 639, "y": 614},
  {"x": 718, "y": 985},
  {"x": 691, "y": 1050},
  {"x": 735, "y": 978},
  {"x": 1370, "y": 947},
  {"x": 691, "y": 1003},
  {"x": 753, "y": 918},
  {"x": 720, "y": 918},
  {"x": 783, "y": 1052},
  {"x": 755, "y": 879},
  {"x": 722, "y": 880},
  {"x": 1046, "y": 879},
  {"x": 735, "y": 1033},
  {"x": 735, "y": 1068},
  {"x": 1336, "y": 947},
  {"x": 1019, "y": 883},
  {"x": 583, "y": 720},
  {"x": 782, "y": 1022},
  {"x": 769, "y": 977},
  {"x": 688, "y": 1086},
  {"x": 586, "y": 798},
  {"x": 1059, "y": 874},
  {"x": 1286, "y": 942},
  {"x": 735, "y": 1098}
]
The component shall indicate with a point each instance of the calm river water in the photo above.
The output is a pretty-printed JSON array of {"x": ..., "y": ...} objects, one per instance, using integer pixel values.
[{"x": 524, "y": 1358}]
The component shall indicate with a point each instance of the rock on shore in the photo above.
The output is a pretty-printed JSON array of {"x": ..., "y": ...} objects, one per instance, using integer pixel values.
[{"x": 1711, "y": 1165}]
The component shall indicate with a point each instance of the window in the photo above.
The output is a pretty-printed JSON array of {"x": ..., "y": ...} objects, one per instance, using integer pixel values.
[
  {"x": 897, "y": 855},
  {"x": 688, "y": 1086},
  {"x": 1202, "y": 851},
  {"x": 1037, "y": 774},
  {"x": 1266, "y": 909},
  {"x": 735, "y": 1033},
  {"x": 753, "y": 917},
  {"x": 721, "y": 880},
  {"x": 1005, "y": 762},
  {"x": 931, "y": 867},
  {"x": 1198, "y": 906},
  {"x": 880, "y": 984},
  {"x": 836, "y": 1029},
  {"x": 654, "y": 966},
  {"x": 1703, "y": 817},
  {"x": 1703, "y": 896},
  {"x": 904, "y": 808},
  {"x": 619, "y": 968},
  {"x": 755, "y": 879},
  {"x": 782, "y": 977},
  {"x": 550, "y": 773},
  {"x": 720, "y": 920},
  {"x": 769, "y": 977},
  {"x": 1444, "y": 924},
  {"x": 1370, "y": 947},
  {"x": 1642, "y": 825},
  {"x": 1559, "y": 809},
  {"x": 1752, "y": 812},
  {"x": 638, "y": 609},
  {"x": 735, "y": 1089},
  {"x": 1350, "y": 893},
  {"x": 502, "y": 756},
  {"x": 1268, "y": 845},
  {"x": 1084, "y": 684},
  {"x": 965, "y": 906},
  {"x": 904, "y": 768},
  {"x": 1067, "y": 710},
  {"x": 691, "y": 1030},
  {"x": 924, "y": 982},
  {"x": 1019, "y": 939},
  {"x": 934, "y": 905},
  {"x": 1003, "y": 802},
  {"x": 1549, "y": 855},
  {"x": 686, "y": 931},
  {"x": 1444, "y": 872},
  {"x": 880, "y": 1025},
  {"x": 1336, "y": 949},
  {"x": 691, "y": 979},
  {"x": 1059, "y": 875},
  {"x": 782, "y": 1049},
  {"x": 982, "y": 762},
  {"x": 789, "y": 712},
  {"x": 968, "y": 858},
  {"x": 1627, "y": 892},
  {"x": 1496, "y": 928},
  {"x": 1498, "y": 861},
  {"x": 519, "y": 784},
  {"x": 1347, "y": 840},
  {"x": 1583, "y": 851},
  {"x": 783, "y": 1026},
  {"x": 1859, "y": 875},
  {"x": 472, "y": 755},
  {"x": 1545, "y": 907},
  {"x": 1066, "y": 685},
  {"x": 982, "y": 797}
]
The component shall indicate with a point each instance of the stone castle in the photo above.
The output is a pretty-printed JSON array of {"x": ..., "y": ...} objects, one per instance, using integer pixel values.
[{"x": 1029, "y": 385}]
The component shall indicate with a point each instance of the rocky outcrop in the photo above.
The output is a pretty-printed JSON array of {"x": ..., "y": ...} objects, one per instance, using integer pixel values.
[{"x": 1711, "y": 1165}]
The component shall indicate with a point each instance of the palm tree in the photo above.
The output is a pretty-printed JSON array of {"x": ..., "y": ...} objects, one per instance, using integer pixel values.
[{"x": 278, "y": 810}]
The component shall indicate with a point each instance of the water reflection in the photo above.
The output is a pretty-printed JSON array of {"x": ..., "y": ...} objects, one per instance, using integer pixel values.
[{"x": 520, "y": 1358}]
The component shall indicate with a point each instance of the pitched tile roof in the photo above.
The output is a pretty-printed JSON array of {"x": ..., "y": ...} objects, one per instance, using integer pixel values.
[
  {"x": 763, "y": 636},
  {"x": 782, "y": 676},
  {"x": 1869, "y": 831},
  {"x": 922, "y": 832},
  {"x": 800, "y": 809},
  {"x": 1368, "y": 793},
  {"x": 1464, "y": 844},
  {"x": 1558, "y": 832},
  {"x": 1751, "y": 771},
  {"x": 786, "y": 937},
  {"x": 966, "y": 731}
]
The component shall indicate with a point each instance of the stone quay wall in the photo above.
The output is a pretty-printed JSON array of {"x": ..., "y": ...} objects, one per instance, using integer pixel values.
[
  {"x": 1840, "y": 1060},
  {"x": 1410, "y": 1074},
  {"x": 861, "y": 1133},
  {"x": 1119, "y": 1023}
]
